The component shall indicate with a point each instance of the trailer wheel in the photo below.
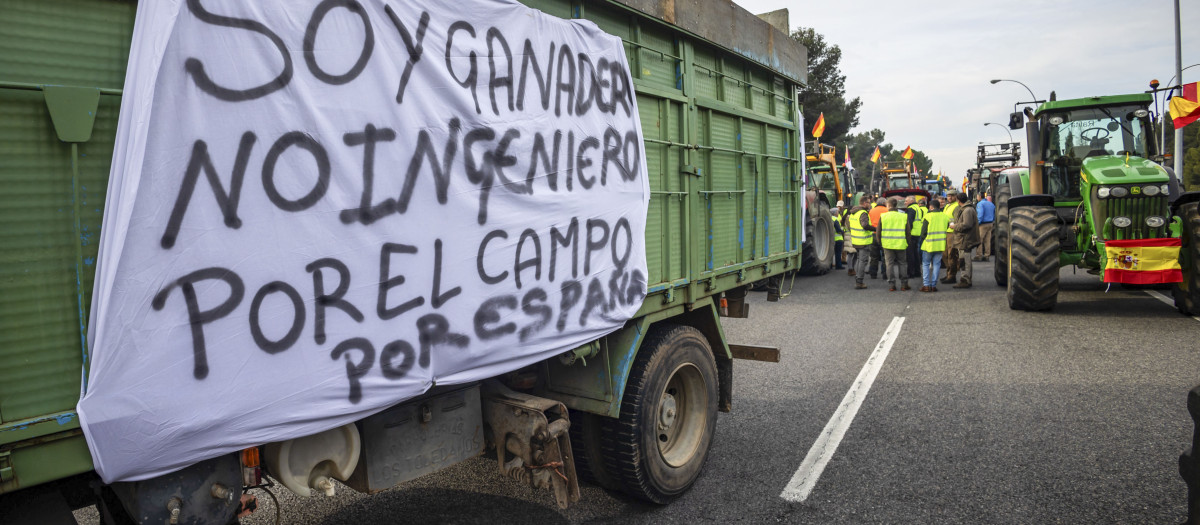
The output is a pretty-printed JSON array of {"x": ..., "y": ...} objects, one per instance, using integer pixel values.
[
  {"x": 1000, "y": 234},
  {"x": 1033, "y": 258},
  {"x": 586, "y": 432},
  {"x": 1187, "y": 293},
  {"x": 816, "y": 255},
  {"x": 657, "y": 448}
]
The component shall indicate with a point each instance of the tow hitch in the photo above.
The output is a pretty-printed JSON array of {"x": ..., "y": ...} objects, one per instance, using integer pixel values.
[{"x": 532, "y": 440}]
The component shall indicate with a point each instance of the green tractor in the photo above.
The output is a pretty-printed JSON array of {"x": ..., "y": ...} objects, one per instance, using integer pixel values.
[{"x": 1094, "y": 197}]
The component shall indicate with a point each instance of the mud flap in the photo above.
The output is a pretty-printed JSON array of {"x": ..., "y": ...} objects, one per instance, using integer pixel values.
[{"x": 532, "y": 440}]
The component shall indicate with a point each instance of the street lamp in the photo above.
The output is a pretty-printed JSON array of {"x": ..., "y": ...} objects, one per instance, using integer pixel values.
[
  {"x": 1034, "y": 99},
  {"x": 1010, "y": 139}
]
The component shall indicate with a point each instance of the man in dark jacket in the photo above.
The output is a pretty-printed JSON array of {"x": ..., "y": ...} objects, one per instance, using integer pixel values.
[{"x": 966, "y": 237}]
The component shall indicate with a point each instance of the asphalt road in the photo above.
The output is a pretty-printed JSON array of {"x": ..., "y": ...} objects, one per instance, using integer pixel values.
[{"x": 978, "y": 414}]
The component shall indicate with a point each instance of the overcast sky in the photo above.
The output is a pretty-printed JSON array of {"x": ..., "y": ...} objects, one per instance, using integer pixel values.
[{"x": 922, "y": 67}]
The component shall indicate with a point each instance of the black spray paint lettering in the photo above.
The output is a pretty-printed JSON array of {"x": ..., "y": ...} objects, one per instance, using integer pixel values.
[
  {"x": 367, "y": 213},
  {"x": 197, "y": 318},
  {"x": 307, "y": 143},
  {"x": 387, "y": 282},
  {"x": 310, "y": 41},
  {"x": 473, "y": 72},
  {"x": 298, "y": 315},
  {"x": 433, "y": 330},
  {"x": 323, "y": 301},
  {"x": 616, "y": 241},
  {"x": 486, "y": 159},
  {"x": 414, "y": 46},
  {"x": 576, "y": 82},
  {"x": 195, "y": 68},
  {"x": 226, "y": 200}
]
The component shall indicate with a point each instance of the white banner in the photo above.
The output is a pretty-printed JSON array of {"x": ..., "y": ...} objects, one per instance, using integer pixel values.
[{"x": 320, "y": 209}]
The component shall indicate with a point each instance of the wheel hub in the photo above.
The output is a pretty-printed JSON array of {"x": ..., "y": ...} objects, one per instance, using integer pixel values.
[{"x": 667, "y": 413}]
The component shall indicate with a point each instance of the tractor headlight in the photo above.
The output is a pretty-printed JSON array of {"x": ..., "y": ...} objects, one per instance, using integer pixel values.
[
  {"x": 1122, "y": 222},
  {"x": 1150, "y": 191},
  {"x": 1119, "y": 192},
  {"x": 1154, "y": 221},
  {"x": 1056, "y": 120},
  {"x": 1141, "y": 113},
  {"x": 1165, "y": 189},
  {"x": 1103, "y": 192}
]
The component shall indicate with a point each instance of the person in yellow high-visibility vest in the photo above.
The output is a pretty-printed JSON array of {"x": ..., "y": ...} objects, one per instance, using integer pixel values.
[
  {"x": 916, "y": 214},
  {"x": 893, "y": 238},
  {"x": 839, "y": 241},
  {"x": 950, "y": 255},
  {"x": 859, "y": 225},
  {"x": 933, "y": 242}
]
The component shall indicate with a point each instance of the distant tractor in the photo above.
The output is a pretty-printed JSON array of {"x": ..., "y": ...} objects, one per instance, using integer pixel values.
[
  {"x": 989, "y": 160},
  {"x": 827, "y": 184},
  {"x": 1093, "y": 197}
]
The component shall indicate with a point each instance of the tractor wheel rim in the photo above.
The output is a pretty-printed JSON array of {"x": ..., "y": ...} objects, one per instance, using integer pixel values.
[
  {"x": 821, "y": 246},
  {"x": 682, "y": 415}
]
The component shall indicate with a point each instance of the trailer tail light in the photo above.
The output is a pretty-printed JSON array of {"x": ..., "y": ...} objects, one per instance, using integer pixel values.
[
  {"x": 251, "y": 469},
  {"x": 724, "y": 307}
]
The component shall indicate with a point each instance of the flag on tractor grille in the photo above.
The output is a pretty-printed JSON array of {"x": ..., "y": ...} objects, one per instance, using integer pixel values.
[
  {"x": 1185, "y": 109},
  {"x": 1142, "y": 261},
  {"x": 908, "y": 153},
  {"x": 819, "y": 127},
  {"x": 875, "y": 156}
]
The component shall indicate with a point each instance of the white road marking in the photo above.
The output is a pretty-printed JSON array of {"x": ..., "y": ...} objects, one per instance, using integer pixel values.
[
  {"x": 822, "y": 450},
  {"x": 1165, "y": 299}
]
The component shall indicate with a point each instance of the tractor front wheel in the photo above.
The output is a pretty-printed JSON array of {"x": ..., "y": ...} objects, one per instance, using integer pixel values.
[
  {"x": 1033, "y": 258},
  {"x": 1187, "y": 293},
  {"x": 1000, "y": 233}
]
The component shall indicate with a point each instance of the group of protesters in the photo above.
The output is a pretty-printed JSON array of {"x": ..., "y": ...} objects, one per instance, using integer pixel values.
[{"x": 908, "y": 238}]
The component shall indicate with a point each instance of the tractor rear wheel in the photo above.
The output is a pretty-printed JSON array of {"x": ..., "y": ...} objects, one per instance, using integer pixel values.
[
  {"x": 1033, "y": 250},
  {"x": 1187, "y": 293},
  {"x": 816, "y": 255},
  {"x": 1000, "y": 234}
]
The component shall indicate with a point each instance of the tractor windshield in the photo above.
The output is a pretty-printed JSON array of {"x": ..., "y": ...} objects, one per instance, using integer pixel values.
[
  {"x": 823, "y": 178},
  {"x": 1092, "y": 132},
  {"x": 897, "y": 183}
]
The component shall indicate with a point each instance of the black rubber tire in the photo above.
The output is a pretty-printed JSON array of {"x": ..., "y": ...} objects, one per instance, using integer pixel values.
[
  {"x": 631, "y": 443},
  {"x": 1187, "y": 293},
  {"x": 586, "y": 429},
  {"x": 816, "y": 255},
  {"x": 1000, "y": 234},
  {"x": 1033, "y": 249}
]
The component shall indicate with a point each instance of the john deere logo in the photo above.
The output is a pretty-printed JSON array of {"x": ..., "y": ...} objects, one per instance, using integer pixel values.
[{"x": 1135, "y": 190}]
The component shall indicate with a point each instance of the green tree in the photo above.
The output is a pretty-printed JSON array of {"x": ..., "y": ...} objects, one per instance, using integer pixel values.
[{"x": 826, "y": 89}]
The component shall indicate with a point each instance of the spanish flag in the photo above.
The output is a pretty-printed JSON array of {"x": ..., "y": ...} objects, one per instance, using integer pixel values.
[
  {"x": 1185, "y": 109},
  {"x": 819, "y": 127},
  {"x": 1143, "y": 261},
  {"x": 875, "y": 156},
  {"x": 908, "y": 153}
]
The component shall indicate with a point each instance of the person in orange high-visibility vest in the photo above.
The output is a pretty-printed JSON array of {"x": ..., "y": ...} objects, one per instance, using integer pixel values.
[{"x": 877, "y": 250}]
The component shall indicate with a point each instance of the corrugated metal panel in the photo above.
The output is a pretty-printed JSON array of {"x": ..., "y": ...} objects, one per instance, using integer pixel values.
[
  {"x": 42, "y": 292},
  {"x": 65, "y": 42}
]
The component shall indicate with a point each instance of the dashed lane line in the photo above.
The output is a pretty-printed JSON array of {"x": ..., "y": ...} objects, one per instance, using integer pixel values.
[{"x": 822, "y": 450}]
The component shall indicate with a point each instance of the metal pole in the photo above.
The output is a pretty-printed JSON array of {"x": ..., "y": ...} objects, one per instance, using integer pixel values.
[
  {"x": 1179, "y": 74},
  {"x": 1005, "y": 128}
]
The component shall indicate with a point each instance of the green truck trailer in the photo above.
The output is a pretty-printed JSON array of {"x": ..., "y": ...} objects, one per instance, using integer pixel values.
[{"x": 715, "y": 86}]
